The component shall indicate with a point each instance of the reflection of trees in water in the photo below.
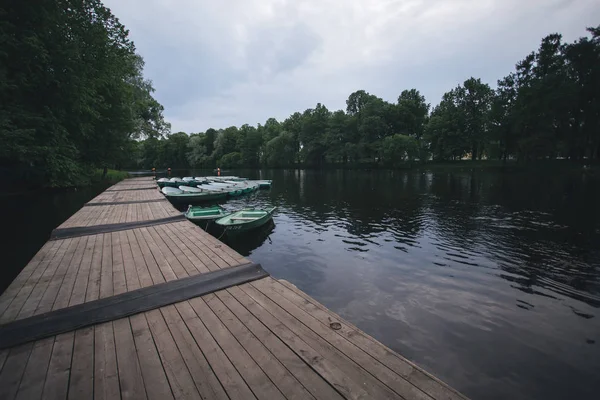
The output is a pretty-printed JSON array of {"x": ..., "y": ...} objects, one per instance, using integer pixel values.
[
  {"x": 541, "y": 228},
  {"x": 361, "y": 202}
]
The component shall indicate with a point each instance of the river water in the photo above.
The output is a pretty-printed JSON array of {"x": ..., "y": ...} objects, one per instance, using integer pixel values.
[{"x": 488, "y": 280}]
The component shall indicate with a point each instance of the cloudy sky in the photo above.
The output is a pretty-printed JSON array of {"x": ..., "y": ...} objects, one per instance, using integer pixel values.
[{"x": 230, "y": 62}]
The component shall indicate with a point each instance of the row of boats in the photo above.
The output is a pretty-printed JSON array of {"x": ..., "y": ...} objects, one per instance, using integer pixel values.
[
  {"x": 214, "y": 188},
  {"x": 201, "y": 189}
]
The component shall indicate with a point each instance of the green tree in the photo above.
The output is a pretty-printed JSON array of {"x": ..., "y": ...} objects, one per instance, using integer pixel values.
[
  {"x": 226, "y": 142},
  {"x": 250, "y": 143},
  {"x": 231, "y": 160},
  {"x": 73, "y": 95},
  {"x": 399, "y": 149},
  {"x": 175, "y": 150},
  {"x": 197, "y": 154},
  {"x": 413, "y": 112},
  {"x": 312, "y": 136},
  {"x": 279, "y": 151}
]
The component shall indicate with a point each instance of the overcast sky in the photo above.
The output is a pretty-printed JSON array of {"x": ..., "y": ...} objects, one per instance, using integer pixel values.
[{"x": 219, "y": 63}]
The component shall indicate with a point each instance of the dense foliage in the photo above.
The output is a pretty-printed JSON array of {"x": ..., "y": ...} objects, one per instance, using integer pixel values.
[
  {"x": 548, "y": 108},
  {"x": 72, "y": 93},
  {"x": 73, "y": 99}
]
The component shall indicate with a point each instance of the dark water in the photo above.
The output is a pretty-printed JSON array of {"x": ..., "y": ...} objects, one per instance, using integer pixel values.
[{"x": 490, "y": 281}]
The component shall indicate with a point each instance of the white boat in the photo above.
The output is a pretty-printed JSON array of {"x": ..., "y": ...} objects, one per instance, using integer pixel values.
[{"x": 189, "y": 189}]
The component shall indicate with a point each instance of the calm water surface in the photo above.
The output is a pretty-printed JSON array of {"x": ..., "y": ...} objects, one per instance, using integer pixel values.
[{"x": 490, "y": 281}]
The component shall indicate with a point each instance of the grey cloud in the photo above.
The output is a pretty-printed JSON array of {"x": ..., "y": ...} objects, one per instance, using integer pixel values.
[
  {"x": 275, "y": 50},
  {"x": 216, "y": 64}
]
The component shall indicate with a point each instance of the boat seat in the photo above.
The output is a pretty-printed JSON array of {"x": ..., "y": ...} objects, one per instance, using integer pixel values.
[{"x": 243, "y": 218}]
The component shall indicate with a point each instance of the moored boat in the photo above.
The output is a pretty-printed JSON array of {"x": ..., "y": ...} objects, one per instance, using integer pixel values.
[
  {"x": 196, "y": 213},
  {"x": 245, "y": 220},
  {"x": 173, "y": 182},
  {"x": 162, "y": 182},
  {"x": 189, "y": 181},
  {"x": 176, "y": 195},
  {"x": 189, "y": 189},
  {"x": 232, "y": 191}
]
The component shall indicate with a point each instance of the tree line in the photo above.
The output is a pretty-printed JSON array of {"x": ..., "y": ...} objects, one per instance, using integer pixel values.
[
  {"x": 549, "y": 107},
  {"x": 74, "y": 99},
  {"x": 73, "y": 95}
]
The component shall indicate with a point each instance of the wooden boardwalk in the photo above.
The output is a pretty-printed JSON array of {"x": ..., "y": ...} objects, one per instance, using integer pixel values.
[{"x": 264, "y": 339}]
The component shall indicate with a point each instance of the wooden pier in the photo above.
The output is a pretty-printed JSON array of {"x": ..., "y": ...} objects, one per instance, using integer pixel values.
[{"x": 262, "y": 339}]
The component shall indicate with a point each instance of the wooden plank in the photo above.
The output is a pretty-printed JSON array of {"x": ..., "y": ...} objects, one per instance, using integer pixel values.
[
  {"x": 418, "y": 377},
  {"x": 93, "y": 287},
  {"x": 141, "y": 268},
  {"x": 32, "y": 383},
  {"x": 132, "y": 281},
  {"x": 55, "y": 282},
  {"x": 287, "y": 384},
  {"x": 173, "y": 260},
  {"x": 47, "y": 251},
  {"x": 198, "y": 254},
  {"x": 254, "y": 376},
  {"x": 106, "y": 275},
  {"x": 164, "y": 258},
  {"x": 228, "y": 375},
  {"x": 182, "y": 383},
  {"x": 13, "y": 370},
  {"x": 155, "y": 378},
  {"x": 367, "y": 362},
  {"x": 214, "y": 249},
  {"x": 329, "y": 370},
  {"x": 31, "y": 304},
  {"x": 81, "y": 384},
  {"x": 188, "y": 260},
  {"x": 119, "y": 282},
  {"x": 81, "y": 281},
  {"x": 59, "y": 370},
  {"x": 353, "y": 372},
  {"x": 32, "y": 284},
  {"x": 153, "y": 268},
  {"x": 206, "y": 382},
  {"x": 70, "y": 274},
  {"x": 312, "y": 381},
  {"x": 106, "y": 380},
  {"x": 130, "y": 374}
]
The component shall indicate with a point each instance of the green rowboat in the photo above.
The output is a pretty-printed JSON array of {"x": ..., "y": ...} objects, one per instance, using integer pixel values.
[
  {"x": 202, "y": 214},
  {"x": 245, "y": 220}
]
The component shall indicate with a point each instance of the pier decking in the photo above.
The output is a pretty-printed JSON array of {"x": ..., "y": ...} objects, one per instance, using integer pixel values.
[{"x": 262, "y": 339}]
